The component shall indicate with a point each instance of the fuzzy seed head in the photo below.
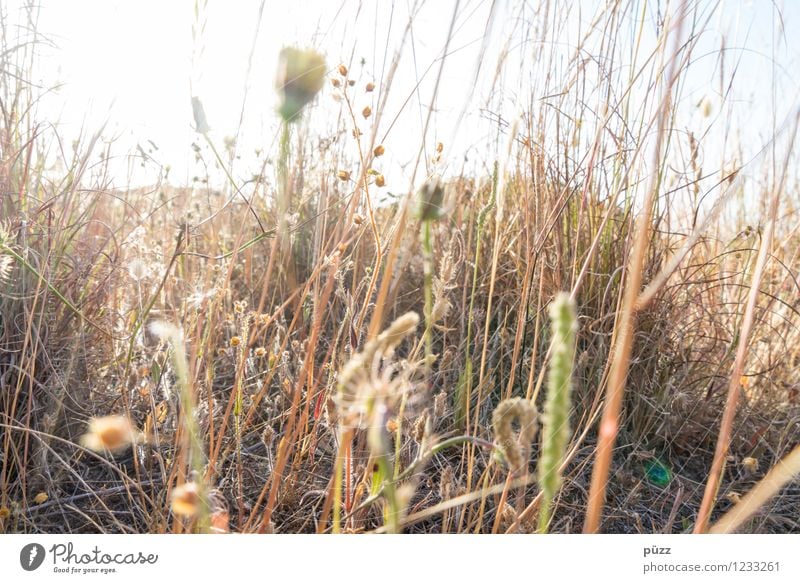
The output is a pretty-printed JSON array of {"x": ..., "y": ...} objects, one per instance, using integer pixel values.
[
  {"x": 515, "y": 448},
  {"x": 112, "y": 433},
  {"x": 186, "y": 500}
]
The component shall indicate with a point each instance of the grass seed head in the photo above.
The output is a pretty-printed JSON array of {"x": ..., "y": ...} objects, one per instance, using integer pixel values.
[{"x": 515, "y": 448}]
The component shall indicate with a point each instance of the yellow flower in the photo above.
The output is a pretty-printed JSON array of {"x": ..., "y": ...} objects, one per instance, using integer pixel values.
[
  {"x": 301, "y": 74},
  {"x": 112, "y": 433}
]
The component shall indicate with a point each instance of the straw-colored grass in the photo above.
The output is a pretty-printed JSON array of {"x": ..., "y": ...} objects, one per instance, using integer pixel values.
[{"x": 299, "y": 351}]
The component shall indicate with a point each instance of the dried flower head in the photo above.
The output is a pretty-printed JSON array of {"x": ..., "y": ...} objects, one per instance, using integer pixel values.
[
  {"x": 268, "y": 436},
  {"x": 750, "y": 464},
  {"x": 379, "y": 150},
  {"x": 343, "y": 175},
  {"x": 343, "y": 70},
  {"x": 372, "y": 381},
  {"x": 138, "y": 270},
  {"x": 260, "y": 352},
  {"x": 515, "y": 449},
  {"x": 113, "y": 433},
  {"x": 301, "y": 74},
  {"x": 366, "y": 112},
  {"x": 380, "y": 181},
  {"x": 186, "y": 499},
  {"x": 370, "y": 87}
]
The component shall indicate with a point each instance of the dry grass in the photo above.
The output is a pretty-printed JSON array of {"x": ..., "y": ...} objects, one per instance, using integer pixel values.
[{"x": 291, "y": 392}]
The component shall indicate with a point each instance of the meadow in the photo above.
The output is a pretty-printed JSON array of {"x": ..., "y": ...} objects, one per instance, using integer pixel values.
[{"x": 591, "y": 327}]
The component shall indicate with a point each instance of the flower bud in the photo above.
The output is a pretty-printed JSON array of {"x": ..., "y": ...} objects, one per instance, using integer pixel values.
[{"x": 301, "y": 74}]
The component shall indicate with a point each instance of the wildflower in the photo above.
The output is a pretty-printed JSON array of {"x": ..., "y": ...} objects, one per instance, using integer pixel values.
[
  {"x": 112, "y": 433},
  {"x": 301, "y": 74},
  {"x": 186, "y": 499}
]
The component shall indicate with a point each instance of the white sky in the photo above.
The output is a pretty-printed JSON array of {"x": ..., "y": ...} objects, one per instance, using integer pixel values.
[{"x": 137, "y": 65}]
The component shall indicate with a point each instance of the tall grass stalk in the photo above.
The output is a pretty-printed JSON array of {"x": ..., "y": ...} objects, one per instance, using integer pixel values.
[{"x": 626, "y": 321}]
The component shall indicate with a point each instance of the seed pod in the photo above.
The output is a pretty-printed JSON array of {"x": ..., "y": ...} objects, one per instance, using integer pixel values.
[
  {"x": 343, "y": 70},
  {"x": 366, "y": 112},
  {"x": 380, "y": 181},
  {"x": 379, "y": 151},
  {"x": 370, "y": 87}
]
